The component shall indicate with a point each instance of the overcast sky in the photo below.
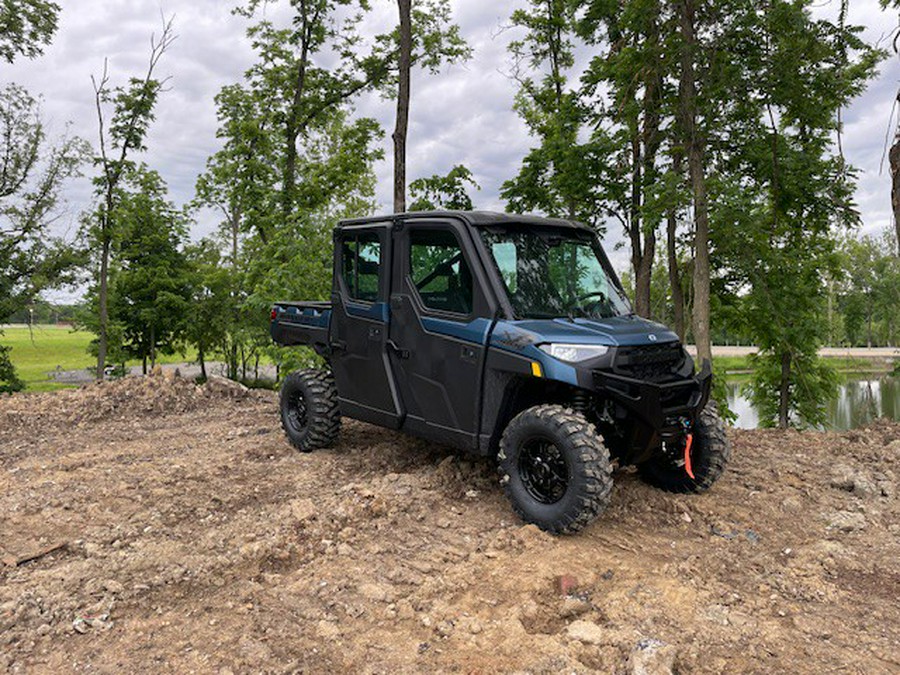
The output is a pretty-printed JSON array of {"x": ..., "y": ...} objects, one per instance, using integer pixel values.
[{"x": 462, "y": 116}]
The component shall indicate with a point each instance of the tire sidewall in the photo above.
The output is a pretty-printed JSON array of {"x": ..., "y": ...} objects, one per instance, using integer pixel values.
[
  {"x": 709, "y": 453},
  {"x": 295, "y": 384},
  {"x": 561, "y": 515},
  {"x": 533, "y": 510}
]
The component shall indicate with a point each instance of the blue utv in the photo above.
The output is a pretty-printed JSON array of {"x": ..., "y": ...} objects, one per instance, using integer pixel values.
[{"x": 506, "y": 336}]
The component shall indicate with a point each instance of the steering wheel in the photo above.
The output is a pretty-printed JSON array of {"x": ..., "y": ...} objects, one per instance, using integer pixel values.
[{"x": 602, "y": 300}]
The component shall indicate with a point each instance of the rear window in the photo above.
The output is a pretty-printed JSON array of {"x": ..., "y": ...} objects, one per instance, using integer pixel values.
[{"x": 361, "y": 265}]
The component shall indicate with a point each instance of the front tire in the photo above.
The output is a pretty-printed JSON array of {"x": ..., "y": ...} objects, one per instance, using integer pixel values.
[
  {"x": 710, "y": 451},
  {"x": 555, "y": 468},
  {"x": 310, "y": 415}
]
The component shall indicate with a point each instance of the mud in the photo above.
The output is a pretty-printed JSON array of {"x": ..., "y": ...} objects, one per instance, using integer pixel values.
[{"x": 192, "y": 538}]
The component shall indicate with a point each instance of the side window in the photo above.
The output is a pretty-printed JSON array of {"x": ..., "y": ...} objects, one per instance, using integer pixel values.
[
  {"x": 439, "y": 271},
  {"x": 361, "y": 265},
  {"x": 505, "y": 255}
]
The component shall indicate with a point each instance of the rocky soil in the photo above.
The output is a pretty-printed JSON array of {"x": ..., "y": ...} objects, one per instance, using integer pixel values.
[{"x": 150, "y": 525}]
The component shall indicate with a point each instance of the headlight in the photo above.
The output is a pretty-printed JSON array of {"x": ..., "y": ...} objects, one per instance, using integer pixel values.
[{"x": 573, "y": 353}]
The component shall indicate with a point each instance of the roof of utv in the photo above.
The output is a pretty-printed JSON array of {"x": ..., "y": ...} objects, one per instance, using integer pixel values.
[{"x": 474, "y": 218}]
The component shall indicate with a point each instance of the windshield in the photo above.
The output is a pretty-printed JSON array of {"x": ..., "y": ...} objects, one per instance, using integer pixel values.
[{"x": 555, "y": 273}]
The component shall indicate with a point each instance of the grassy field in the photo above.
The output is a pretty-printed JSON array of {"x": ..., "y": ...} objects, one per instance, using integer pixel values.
[
  {"x": 36, "y": 353},
  {"x": 739, "y": 365}
]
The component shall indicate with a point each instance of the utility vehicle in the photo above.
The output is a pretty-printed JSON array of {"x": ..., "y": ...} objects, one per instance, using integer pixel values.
[{"x": 507, "y": 336}]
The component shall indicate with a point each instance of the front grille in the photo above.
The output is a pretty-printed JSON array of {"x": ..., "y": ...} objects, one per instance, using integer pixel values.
[{"x": 650, "y": 362}]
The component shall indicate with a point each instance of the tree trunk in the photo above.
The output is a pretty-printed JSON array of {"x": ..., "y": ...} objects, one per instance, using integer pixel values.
[
  {"x": 784, "y": 393},
  {"x": 202, "y": 360},
  {"x": 641, "y": 289},
  {"x": 402, "y": 123},
  {"x": 644, "y": 277},
  {"x": 869, "y": 313},
  {"x": 675, "y": 275},
  {"x": 895, "y": 186},
  {"x": 153, "y": 346},
  {"x": 291, "y": 127},
  {"x": 103, "y": 341},
  {"x": 235, "y": 231},
  {"x": 144, "y": 364},
  {"x": 694, "y": 150}
]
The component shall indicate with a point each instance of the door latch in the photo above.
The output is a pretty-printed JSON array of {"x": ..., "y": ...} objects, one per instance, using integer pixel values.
[{"x": 401, "y": 353}]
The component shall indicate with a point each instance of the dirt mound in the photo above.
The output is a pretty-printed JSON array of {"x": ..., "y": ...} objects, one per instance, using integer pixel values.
[
  {"x": 154, "y": 525},
  {"x": 125, "y": 399}
]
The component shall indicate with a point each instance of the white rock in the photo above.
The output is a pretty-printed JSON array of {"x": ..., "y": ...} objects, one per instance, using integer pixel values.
[{"x": 586, "y": 631}]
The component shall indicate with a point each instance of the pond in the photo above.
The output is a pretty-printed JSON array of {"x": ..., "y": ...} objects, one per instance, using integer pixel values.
[{"x": 861, "y": 399}]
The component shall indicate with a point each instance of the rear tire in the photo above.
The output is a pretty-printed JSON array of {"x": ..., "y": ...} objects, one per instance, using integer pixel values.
[
  {"x": 709, "y": 456},
  {"x": 555, "y": 468},
  {"x": 310, "y": 415}
]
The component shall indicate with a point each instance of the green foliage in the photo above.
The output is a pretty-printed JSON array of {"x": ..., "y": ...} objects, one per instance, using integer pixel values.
[
  {"x": 563, "y": 176},
  {"x": 9, "y": 380},
  {"x": 719, "y": 394},
  {"x": 811, "y": 382},
  {"x": 443, "y": 192},
  {"x": 151, "y": 301},
  {"x": 34, "y": 172},
  {"x": 868, "y": 289},
  {"x": 291, "y": 164},
  {"x": 776, "y": 235},
  {"x": 436, "y": 41},
  {"x": 26, "y": 26}
]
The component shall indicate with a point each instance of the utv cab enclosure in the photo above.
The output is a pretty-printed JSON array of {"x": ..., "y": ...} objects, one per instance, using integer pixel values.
[{"x": 506, "y": 336}]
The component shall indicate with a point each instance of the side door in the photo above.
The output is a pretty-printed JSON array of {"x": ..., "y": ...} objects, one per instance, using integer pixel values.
[
  {"x": 359, "y": 325},
  {"x": 440, "y": 321}
]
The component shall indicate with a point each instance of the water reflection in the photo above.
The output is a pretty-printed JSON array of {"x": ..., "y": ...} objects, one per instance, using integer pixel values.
[{"x": 860, "y": 400}]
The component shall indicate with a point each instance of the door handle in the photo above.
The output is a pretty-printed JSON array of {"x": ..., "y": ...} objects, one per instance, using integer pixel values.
[
  {"x": 401, "y": 353},
  {"x": 338, "y": 346}
]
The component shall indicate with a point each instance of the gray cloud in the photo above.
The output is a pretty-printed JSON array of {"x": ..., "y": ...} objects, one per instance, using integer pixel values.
[{"x": 463, "y": 115}]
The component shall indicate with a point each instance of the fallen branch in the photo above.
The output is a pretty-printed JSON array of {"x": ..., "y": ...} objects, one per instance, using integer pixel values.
[{"x": 13, "y": 561}]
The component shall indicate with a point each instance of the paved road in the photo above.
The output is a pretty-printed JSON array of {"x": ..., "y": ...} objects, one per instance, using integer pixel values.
[{"x": 881, "y": 353}]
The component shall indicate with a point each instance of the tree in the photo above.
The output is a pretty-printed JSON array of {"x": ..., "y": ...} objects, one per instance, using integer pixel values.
[
  {"x": 562, "y": 176},
  {"x": 26, "y": 26},
  {"x": 424, "y": 36},
  {"x": 299, "y": 94},
  {"x": 443, "y": 192},
  {"x": 694, "y": 147},
  {"x": 33, "y": 171},
  {"x": 214, "y": 306},
  {"x": 894, "y": 152},
  {"x": 632, "y": 75},
  {"x": 292, "y": 161},
  {"x": 401, "y": 129},
  {"x": 152, "y": 290},
  {"x": 124, "y": 134},
  {"x": 9, "y": 381},
  {"x": 780, "y": 243}
]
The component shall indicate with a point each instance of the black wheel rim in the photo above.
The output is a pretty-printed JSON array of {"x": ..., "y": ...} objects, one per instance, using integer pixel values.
[
  {"x": 543, "y": 470},
  {"x": 296, "y": 412}
]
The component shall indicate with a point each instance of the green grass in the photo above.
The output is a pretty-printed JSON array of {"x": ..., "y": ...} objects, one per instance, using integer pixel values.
[
  {"x": 741, "y": 364},
  {"x": 36, "y": 353}
]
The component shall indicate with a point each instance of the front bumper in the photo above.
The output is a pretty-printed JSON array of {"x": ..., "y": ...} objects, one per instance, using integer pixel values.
[{"x": 661, "y": 410}]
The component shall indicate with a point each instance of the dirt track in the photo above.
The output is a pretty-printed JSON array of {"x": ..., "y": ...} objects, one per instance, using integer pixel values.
[{"x": 196, "y": 539}]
